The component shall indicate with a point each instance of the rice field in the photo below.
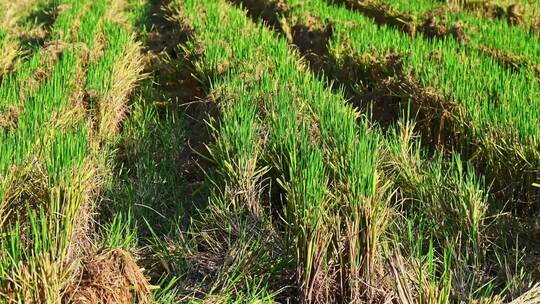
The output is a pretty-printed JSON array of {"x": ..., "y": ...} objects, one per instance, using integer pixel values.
[{"x": 270, "y": 151}]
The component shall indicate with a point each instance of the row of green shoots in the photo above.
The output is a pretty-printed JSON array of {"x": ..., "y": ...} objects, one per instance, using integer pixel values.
[
  {"x": 67, "y": 99},
  {"x": 309, "y": 201}
]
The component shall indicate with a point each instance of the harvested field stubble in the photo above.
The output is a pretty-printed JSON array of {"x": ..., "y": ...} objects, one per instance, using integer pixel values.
[{"x": 263, "y": 151}]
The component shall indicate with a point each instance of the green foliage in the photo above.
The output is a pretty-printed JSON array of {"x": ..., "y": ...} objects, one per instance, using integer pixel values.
[
  {"x": 51, "y": 166},
  {"x": 304, "y": 198}
]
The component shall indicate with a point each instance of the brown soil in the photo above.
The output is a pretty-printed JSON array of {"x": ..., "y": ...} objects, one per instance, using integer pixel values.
[
  {"x": 511, "y": 61},
  {"x": 312, "y": 38},
  {"x": 457, "y": 32},
  {"x": 268, "y": 10},
  {"x": 383, "y": 14},
  {"x": 109, "y": 277},
  {"x": 371, "y": 72},
  {"x": 512, "y": 13},
  {"x": 432, "y": 28}
]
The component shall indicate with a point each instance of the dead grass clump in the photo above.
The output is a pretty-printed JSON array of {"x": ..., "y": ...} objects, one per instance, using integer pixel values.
[
  {"x": 224, "y": 250},
  {"x": 530, "y": 297},
  {"x": 432, "y": 28},
  {"x": 535, "y": 28},
  {"x": 110, "y": 277},
  {"x": 9, "y": 50},
  {"x": 26, "y": 188},
  {"x": 9, "y": 118},
  {"x": 11, "y": 11},
  {"x": 51, "y": 52},
  {"x": 513, "y": 13},
  {"x": 127, "y": 72},
  {"x": 35, "y": 36},
  {"x": 54, "y": 49},
  {"x": 383, "y": 14}
]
